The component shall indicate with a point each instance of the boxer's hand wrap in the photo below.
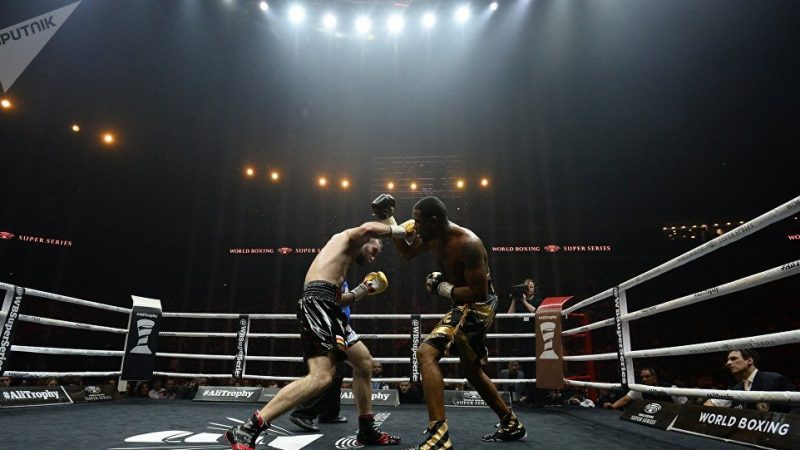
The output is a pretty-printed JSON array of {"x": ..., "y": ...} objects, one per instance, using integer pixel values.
[
  {"x": 436, "y": 285},
  {"x": 398, "y": 232},
  {"x": 411, "y": 233},
  {"x": 374, "y": 283},
  {"x": 383, "y": 208}
]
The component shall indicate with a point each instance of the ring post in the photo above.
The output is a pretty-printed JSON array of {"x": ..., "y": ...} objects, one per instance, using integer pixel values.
[
  {"x": 549, "y": 351},
  {"x": 141, "y": 341}
]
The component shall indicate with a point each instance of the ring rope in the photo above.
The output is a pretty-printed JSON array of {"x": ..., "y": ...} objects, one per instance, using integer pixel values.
[
  {"x": 591, "y": 326},
  {"x": 65, "y": 351},
  {"x": 66, "y": 324},
  {"x": 758, "y": 396},
  {"x": 595, "y": 357},
  {"x": 764, "y": 340},
  {"x": 757, "y": 279},
  {"x": 19, "y": 374},
  {"x": 781, "y": 212},
  {"x": 189, "y": 315},
  {"x": 195, "y": 356},
  {"x": 297, "y": 335},
  {"x": 76, "y": 301},
  {"x": 593, "y": 384}
]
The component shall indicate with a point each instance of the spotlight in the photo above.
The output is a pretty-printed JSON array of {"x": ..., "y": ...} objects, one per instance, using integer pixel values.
[
  {"x": 390, "y": 185},
  {"x": 274, "y": 175},
  {"x": 460, "y": 184},
  {"x": 345, "y": 183},
  {"x": 413, "y": 186},
  {"x": 264, "y": 6},
  {"x": 484, "y": 182},
  {"x": 493, "y": 6},
  {"x": 250, "y": 172},
  {"x": 5, "y": 103},
  {"x": 76, "y": 128},
  {"x": 462, "y": 14},
  {"x": 329, "y": 21},
  {"x": 108, "y": 138},
  {"x": 429, "y": 20},
  {"x": 297, "y": 14},
  {"x": 395, "y": 23},
  {"x": 322, "y": 181},
  {"x": 363, "y": 24}
]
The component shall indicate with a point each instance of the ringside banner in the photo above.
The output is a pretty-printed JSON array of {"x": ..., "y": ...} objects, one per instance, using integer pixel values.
[
  {"x": 470, "y": 398},
  {"x": 385, "y": 397},
  {"x": 651, "y": 413},
  {"x": 227, "y": 394},
  {"x": 743, "y": 426},
  {"x": 32, "y": 396}
]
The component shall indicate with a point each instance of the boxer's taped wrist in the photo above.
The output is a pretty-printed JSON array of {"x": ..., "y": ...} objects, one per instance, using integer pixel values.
[
  {"x": 445, "y": 289},
  {"x": 397, "y": 231},
  {"x": 359, "y": 292}
]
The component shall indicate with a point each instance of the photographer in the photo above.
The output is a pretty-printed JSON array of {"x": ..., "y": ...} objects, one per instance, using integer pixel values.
[{"x": 525, "y": 296}]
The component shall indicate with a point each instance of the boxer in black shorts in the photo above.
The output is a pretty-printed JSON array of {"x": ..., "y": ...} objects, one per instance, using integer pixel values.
[
  {"x": 464, "y": 279},
  {"x": 324, "y": 333}
]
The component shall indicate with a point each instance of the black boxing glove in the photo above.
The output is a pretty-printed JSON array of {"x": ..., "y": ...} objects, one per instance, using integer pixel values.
[
  {"x": 383, "y": 208},
  {"x": 435, "y": 284}
]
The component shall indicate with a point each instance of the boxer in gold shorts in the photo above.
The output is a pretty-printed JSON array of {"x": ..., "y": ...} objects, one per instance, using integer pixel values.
[{"x": 464, "y": 279}]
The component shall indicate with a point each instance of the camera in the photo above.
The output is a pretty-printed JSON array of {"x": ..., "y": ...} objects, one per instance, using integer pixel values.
[{"x": 518, "y": 289}]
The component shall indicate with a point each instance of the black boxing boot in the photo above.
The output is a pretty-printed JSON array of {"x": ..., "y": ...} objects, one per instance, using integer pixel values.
[
  {"x": 510, "y": 429},
  {"x": 438, "y": 437},
  {"x": 370, "y": 434},
  {"x": 244, "y": 436}
]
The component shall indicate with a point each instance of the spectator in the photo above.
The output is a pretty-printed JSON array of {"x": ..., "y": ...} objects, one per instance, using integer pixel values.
[
  {"x": 517, "y": 390},
  {"x": 157, "y": 392},
  {"x": 408, "y": 393},
  {"x": 650, "y": 378},
  {"x": 742, "y": 365},
  {"x": 170, "y": 390},
  {"x": 581, "y": 398},
  {"x": 377, "y": 372},
  {"x": 524, "y": 300},
  {"x": 143, "y": 390},
  {"x": 5, "y": 381}
]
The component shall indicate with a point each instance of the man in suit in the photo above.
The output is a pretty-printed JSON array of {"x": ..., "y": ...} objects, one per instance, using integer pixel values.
[{"x": 742, "y": 365}]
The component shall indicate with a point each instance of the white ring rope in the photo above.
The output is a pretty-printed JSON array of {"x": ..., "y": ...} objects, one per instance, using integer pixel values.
[
  {"x": 76, "y": 301},
  {"x": 764, "y": 340},
  {"x": 591, "y": 326},
  {"x": 757, "y": 396},
  {"x": 65, "y": 351},
  {"x": 595, "y": 357},
  {"x": 200, "y": 334},
  {"x": 757, "y": 279},
  {"x": 195, "y": 356},
  {"x": 188, "y": 315},
  {"x": 593, "y": 384},
  {"x": 19, "y": 374},
  {"x": 768, "y": 218},
  {"x": 66, "y": 324}
]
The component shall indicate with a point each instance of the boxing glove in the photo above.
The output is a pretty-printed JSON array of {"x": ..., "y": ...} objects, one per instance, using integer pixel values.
[
  {"x": 383, "y": 209},
  {"x": 435, "y": 284},
  {"x": 374, "y": 283}
]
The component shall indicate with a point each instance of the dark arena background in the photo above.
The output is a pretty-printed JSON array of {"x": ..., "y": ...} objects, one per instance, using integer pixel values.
[{"x": 201, "y": 152}]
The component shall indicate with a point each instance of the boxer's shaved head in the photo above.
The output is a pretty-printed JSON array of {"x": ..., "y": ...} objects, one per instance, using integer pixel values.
[{"x": 431, "y": 206}]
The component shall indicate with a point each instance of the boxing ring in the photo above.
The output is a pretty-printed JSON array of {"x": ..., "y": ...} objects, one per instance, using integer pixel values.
[{"x": 191, "y": 425}]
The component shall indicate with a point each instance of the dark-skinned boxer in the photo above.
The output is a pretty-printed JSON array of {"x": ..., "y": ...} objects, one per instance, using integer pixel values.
[{"x": 464, "y": 280}]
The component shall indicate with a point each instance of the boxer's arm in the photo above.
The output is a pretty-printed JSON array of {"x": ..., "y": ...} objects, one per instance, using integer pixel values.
[
  {"x": 475, "y": 272},
  {"x": 368, "y": 230},
  {"x": 408, "y": 251}
]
